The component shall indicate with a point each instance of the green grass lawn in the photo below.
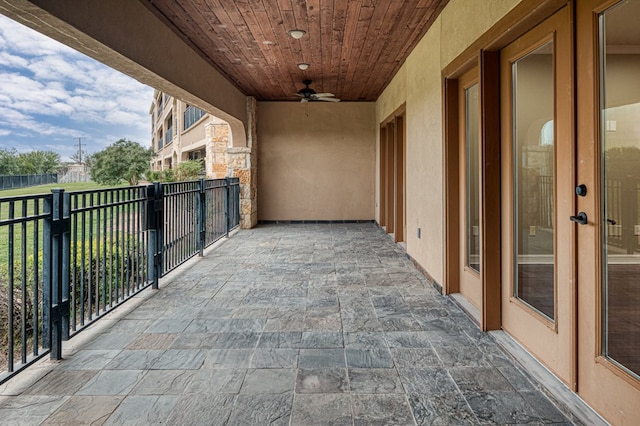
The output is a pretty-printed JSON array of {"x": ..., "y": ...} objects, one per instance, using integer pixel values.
[
  {"x": 45, "y": 189},
  {"x": 30, "y": 207}
]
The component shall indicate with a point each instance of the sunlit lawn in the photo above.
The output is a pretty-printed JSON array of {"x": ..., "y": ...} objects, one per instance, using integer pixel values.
[
  {"x": 24, "y": 233},
  {"x": 45, "y": 189}
]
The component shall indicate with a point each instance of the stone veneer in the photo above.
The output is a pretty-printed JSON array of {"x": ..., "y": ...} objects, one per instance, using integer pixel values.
[
  {"x": 223, "y": 160},
  {"x": 242, "y": 163},
  {"x": 217, "y": 136}
]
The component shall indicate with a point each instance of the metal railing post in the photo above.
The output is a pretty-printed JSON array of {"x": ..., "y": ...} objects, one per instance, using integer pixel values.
[
  {"x": 227, "y": 207},
  {"x": 159, "y": 256},
  {"x": 56, "y": 273},
  {"x": 202, "y": 217},
  {"x": 47, "y": 267},
  {"x": 154, "y": 232},
  {"x": 65, "y": 266},
  {"x": 150, "y": 227}
]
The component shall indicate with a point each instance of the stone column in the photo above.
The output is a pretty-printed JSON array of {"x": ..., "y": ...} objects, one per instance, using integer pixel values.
[
  {"x": 243, "y": 164},
  {"x": 239, "y": 161},
  {"x": 217, "y": 135}
]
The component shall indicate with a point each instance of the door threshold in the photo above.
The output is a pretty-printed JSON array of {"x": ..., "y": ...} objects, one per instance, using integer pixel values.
[
  {"x": 467, "y": 307},
  {"x": 572, "y": 403}
]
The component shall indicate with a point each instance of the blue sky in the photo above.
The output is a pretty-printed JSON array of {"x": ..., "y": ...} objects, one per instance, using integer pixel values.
[{"x": 51, "y": 94}]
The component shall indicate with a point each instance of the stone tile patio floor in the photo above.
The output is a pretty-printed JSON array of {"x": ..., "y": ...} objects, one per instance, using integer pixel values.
[{"x": 287, "y": 325}]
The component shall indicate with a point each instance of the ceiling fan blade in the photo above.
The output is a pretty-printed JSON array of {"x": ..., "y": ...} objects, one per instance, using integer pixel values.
[
  {"x": 329, "y": 99},
  {"x": 324, "y": 95},
  {"x": 304, "y": 100},
  {"x": 299, "y": 95}
]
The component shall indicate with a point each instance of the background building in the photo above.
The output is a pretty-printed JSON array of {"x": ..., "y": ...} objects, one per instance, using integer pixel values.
[{"x": 182, "y": 132}]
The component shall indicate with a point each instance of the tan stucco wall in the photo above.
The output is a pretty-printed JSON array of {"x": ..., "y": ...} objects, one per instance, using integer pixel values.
[
  {"x": 195, "y": 135},
  {"x": 418, "y": 84},
  {"x": 463, "y": 21},
  {"x": 319, "y": 167}
]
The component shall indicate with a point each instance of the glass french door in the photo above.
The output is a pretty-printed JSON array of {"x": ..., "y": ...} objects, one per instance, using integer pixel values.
[
  {"x": 538, "y": 257},
  {"x": 608, "y": 154},
  {"x": 620, "y": 186},
  {"x": 470, "y": 188}
]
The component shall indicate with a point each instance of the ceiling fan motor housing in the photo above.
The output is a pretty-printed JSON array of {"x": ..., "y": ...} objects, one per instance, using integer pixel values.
[
  {"x": 308, "y": 94},
  {"x": 307, "y": 91}
]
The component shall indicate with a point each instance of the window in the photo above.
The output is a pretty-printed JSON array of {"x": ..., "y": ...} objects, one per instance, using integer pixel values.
[
  {"x": 160, "y": 140},
  {"x": 191, "y": 116},
  {"x": 169, "y": 125},
  {"x": 160, "y": 101}
]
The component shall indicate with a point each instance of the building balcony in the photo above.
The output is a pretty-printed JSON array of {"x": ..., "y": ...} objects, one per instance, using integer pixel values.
[{"x": 287, "y": 324}]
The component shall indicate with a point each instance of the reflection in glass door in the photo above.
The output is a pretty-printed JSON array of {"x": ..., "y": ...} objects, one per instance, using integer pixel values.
[
  {"x": 620, "y": 133},
  {"x": 472, "y": 156},
  {"x": 533, "y": 177}
]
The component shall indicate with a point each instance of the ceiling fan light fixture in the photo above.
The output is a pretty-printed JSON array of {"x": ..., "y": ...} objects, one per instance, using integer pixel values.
[
  {"x": 297, "y": 34},
  {"x": 303, "y": 67}
]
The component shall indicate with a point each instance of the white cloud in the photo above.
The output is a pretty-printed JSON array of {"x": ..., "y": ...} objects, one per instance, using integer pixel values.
[
  {"x": 9, "y": 60},
  {"x": 19, "y": 38},
  {"x": 49, "y": 89}
]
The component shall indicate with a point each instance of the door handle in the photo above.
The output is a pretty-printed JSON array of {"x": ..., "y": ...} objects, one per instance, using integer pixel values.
[
  {"x": 611, "y": 221},
  {"x": 580, "y": 219}
]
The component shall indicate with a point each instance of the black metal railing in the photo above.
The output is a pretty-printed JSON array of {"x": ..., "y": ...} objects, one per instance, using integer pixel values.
[
  {"x": 544, "y": 202},
  {"x": 623, "y": 213},
  {"x": 23, "y": 181},
  {"x": 67, "y": 258},
  {"x": 180, "y": 227}
]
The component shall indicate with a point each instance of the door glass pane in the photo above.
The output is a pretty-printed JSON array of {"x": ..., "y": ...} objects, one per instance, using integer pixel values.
[
  {"x": 473, "y": 178},
  {"x": 533, "y": 166},
  {"x": 620, "y": 99}
]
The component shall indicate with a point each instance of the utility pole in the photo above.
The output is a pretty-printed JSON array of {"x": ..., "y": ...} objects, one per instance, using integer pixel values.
[{"x": 80, "y": 145}]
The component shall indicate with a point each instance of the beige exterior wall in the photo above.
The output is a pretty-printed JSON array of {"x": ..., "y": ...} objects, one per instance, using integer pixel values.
[
  {"x": 463, "y": 21},
  {"x": 316, "y": 167},
  {"x": 418, "y": 84},
  {"x": 194, "y": 136}
]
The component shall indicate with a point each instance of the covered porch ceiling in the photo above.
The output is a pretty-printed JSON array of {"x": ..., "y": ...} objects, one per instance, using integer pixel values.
[{"x": 353, "y": 47}]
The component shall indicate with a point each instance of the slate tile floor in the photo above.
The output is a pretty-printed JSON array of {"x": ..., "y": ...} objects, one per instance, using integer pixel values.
[{"x": 288, "y": 325}]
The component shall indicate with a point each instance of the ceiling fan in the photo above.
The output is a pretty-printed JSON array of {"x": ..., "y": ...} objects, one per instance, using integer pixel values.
[{"x": 308, "y": 94}]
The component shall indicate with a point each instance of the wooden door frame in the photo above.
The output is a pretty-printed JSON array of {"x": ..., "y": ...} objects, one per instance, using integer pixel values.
[
  {"x": 390, "y": 175},
  {"x": 490, "y": 270},
  {"x": 491, "y": 314},
  {"x": 393, "y": 174},
  {"x": 382, "y": 205},
  {"x": 400, "y": 177},
  {"x": 451, "y": 185}
]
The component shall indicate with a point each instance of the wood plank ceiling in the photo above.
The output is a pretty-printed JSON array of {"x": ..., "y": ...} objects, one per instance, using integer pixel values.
[{"x": 353, "y": 47}]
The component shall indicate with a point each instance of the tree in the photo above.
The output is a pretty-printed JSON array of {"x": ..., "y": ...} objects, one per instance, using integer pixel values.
[
  {"x": 38, "y": 162},
  {"x": 88, "y": 160},
  {"x": 8, "y": 163},
  {"x": 622, "y": 161},
  {"x": 189, "y": 170},
  {"x": 123, "y": 159}
]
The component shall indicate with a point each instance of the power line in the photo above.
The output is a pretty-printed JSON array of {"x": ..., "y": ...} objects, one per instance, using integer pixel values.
[{"x": 80, "y": 145}]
